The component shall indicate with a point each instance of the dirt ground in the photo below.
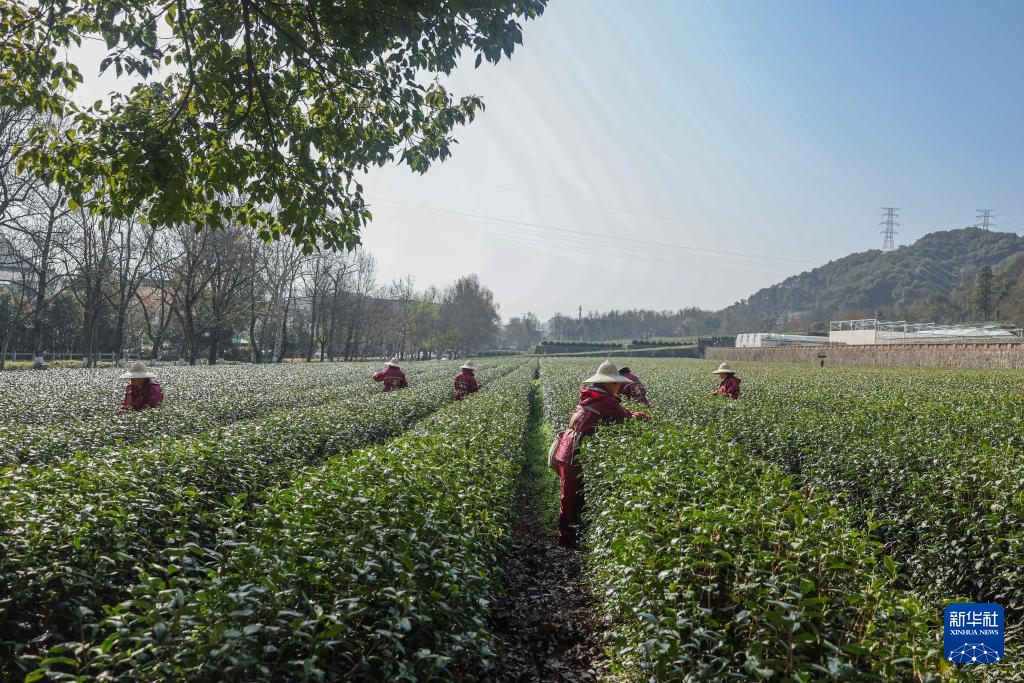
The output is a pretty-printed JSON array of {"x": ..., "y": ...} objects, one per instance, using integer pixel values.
[{"x": 545, "y": 622}]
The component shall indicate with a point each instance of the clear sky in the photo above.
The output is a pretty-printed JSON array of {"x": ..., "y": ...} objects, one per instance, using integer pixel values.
[
  {"x": 774, "y": 129},
  {"x": 664, "y": 154}
]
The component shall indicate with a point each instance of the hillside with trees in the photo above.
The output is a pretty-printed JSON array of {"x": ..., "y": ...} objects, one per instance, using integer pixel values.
[
  {"x": 949, "y": 276},
  {"x": 926, "y": 279}
]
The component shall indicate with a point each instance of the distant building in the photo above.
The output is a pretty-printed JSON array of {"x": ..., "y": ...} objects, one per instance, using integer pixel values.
[
  {"x": 12, "y": 268},
  {"x": 874, "y": 331},
  {"x": 773, "y": 339}
]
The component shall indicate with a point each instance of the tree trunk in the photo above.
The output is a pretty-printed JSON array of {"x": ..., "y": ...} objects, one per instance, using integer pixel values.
[
  {"x": 284, "y": 333},
  {"x": 122, "y": 313},
  {"x": 312, "y": 325},
  {"x": 214, "y": 346},
  {"x": 6, "y": 345},
  {"x": 330, "y": 330},
  {"x": 348, "y": 344},
  {"x": 157, "y": 343},
  {"x": 254, "y": 348},
  {"x": 94, "y": 340},
  {"x": 37, "y": 322},
  {"x": 189, "y": 330}
]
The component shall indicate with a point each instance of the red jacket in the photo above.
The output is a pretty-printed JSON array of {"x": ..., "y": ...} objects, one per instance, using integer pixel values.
[
  {"x": 393, "y": 379},
  {"x": 636, "y": 391},
  {"x": 596, "y": 407},
  {"x": 730, "y": 386},
  {"x": 465, "y": 384},
  {"x": 149, "y": 395}
]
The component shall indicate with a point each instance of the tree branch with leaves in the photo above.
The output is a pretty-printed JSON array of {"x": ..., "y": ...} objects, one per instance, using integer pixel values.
[{"x": 281, "y": 103}]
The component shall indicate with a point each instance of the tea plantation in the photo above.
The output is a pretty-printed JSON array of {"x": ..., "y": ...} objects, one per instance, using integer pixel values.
[
  {"x": 813, "y": 529},
  {"x": 294, "y": 523}
]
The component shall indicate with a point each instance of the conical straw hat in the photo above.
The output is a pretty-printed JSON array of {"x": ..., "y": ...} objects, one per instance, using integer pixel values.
[
  {"x": 136, "y": 371},
  {"x": 394, "y": 362},
  {"x": 607, "y": 372},
  {"x": 724, "y": 367}
]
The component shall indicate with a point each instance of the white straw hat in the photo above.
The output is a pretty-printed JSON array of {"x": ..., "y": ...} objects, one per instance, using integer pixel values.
[
  {"x": 607, "y": 372},
  {"x": 394, "y": 362},
  {"x": 724, "y": 367},
  {"x": 138, "y": 370},
  {"x": 468, "y": 365}
]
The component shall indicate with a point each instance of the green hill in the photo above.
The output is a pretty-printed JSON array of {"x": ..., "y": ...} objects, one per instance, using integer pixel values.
[{"x": 939, "y": 266}]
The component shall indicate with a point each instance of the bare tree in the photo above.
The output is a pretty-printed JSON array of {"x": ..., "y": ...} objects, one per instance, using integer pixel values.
[
  {"x": 191, "y": 274},
  {"x": 224, "y": 304},
  {"x": 283, "y": 266},
  {"x": 400, "y": 292},
  {"x": 341, "y": 272},
  {"x": 132, "y": 245},
  {"x": 90, "y": 261},
  {"x": 36, "y": 231},
  {"x": 15, "y": 300},
  {"x": 364, "y": 284},
  {"x": 468, "y": 309},
  {"x": 316, "y": 279},
  {"x": 155, "y": 293}
]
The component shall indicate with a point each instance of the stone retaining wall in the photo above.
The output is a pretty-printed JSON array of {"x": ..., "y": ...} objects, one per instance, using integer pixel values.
[{"x": 1002, "y": 355}]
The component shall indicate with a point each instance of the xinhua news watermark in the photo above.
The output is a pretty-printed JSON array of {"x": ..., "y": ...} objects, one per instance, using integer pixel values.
[{"x": 973, "y": 633}]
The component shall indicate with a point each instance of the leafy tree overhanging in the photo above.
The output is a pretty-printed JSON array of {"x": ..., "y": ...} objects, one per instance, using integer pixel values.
[{"x": 279, "y": 103}]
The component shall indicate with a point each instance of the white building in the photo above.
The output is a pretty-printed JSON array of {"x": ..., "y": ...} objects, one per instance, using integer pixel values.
[
  {"x": 873, "y": 331},
  {"x": 772, "y": 339}
]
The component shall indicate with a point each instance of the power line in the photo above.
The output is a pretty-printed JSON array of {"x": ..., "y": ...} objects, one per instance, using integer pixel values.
[
  {"x": 889, "y": 232},
  {"x": 608, "y": 207},
  {"x": 937, "y": 278},
  {"x": 611, "y": 246},
  {"x": 614, "y": 252},
  {"x": 986, "y": 217},
  {"x": 950, "y": 275},
  {"x": 611, "y": 254},
  {"x": 664, "y": 245}
]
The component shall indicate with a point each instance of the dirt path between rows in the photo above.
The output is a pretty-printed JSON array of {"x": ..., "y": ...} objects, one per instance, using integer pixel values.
[{"x": 545, "y": 622}]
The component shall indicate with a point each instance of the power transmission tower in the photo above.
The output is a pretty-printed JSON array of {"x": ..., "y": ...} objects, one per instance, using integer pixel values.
[
  {"x": 986, "y": 218},
  {"x": 889, "y": 232}
]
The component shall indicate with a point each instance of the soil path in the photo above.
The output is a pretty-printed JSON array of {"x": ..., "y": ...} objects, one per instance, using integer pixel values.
[{"x": 545, "y": 622}]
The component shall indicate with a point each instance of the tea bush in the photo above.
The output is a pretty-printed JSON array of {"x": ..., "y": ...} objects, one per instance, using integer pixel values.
[
  {"x": 812, "y": 530},
  {"x": 375, "y": 566},
  {"x": 715, "y": 568},
  {"x": 73, "y": 537},
  {"x": 935, "y": 456},
  {"x": 61, "y": 418},
  {"x": 927, "y": 462}
]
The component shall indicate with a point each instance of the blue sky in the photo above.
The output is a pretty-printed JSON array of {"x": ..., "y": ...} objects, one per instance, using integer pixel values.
[
  {"x": 664, "y": 154},
  {"x": 775, "y": 129}
]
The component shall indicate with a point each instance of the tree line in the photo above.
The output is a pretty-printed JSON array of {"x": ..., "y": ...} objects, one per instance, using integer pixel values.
[
  {"x": 633, "y": 324},
  {"x": 74, "y": 280}
]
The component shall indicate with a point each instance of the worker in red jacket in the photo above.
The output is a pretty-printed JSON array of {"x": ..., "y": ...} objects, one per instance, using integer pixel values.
[
  {"x": 635, "y": 390},
  {"x": 465, "y": 381},
  {"x": 392, "y": 376},
  {"x": 599, "y": 404},
  {"x": 143, "y": 391},
  {"x": 729, "y": 383}
]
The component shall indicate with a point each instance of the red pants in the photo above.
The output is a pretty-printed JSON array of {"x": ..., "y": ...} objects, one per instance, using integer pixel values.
[{"x": 571, "y": 504}]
